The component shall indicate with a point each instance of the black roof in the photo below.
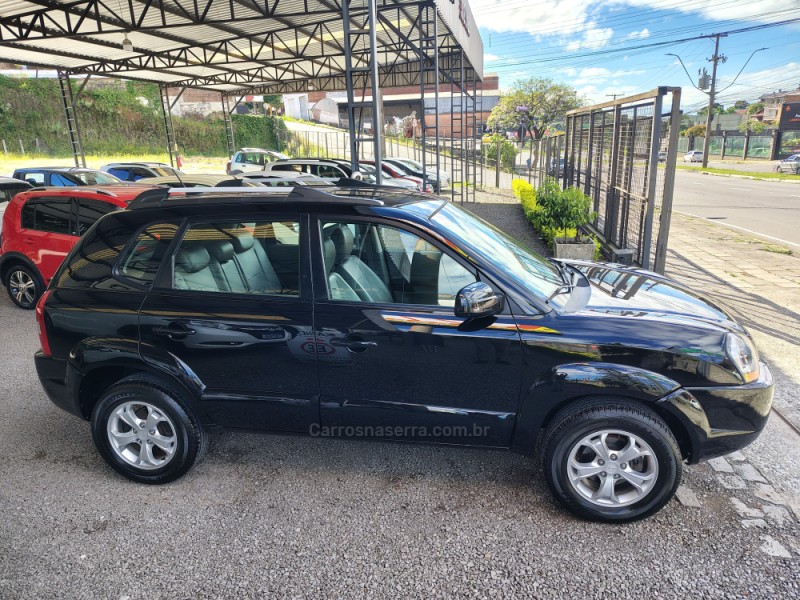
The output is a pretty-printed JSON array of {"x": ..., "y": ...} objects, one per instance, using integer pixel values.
[{"x": 13, "y": 181}]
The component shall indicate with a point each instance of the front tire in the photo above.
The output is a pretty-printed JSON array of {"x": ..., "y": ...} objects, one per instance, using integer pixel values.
[
  {"x": 611, "y": 460},
  {"x": 146, "y": 430},
  {"x": 24, "y": 286}
]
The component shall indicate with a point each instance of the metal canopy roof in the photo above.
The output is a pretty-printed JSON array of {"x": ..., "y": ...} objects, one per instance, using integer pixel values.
[{"x": 232, "y": 46}]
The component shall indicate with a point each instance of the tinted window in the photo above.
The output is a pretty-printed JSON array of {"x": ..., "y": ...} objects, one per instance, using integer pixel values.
[
  {"x": 119, "y": 172},
  {"x": 54, "y": 216},
  {"x": 145, "y": 255},
  {"x": 91, "y": 263},
  {"x": 241, "y": 258},
  {"x": 91, "y": 210},
  {"x": 137, "y": 173},
  {"x": 28, "y": 216},
  {"x": 60, "y": 180}
]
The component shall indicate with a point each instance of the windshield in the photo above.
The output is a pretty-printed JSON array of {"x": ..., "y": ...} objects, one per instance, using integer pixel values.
[
  {"x": 164, "y": 171},
  {"x": 95, "y": 177},
  {"x": 512, "y": 259}
]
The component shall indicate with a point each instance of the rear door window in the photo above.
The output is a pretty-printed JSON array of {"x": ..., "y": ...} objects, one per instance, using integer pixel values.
[
  {"x": 61, "y": 180},
  {"x": 91, "y": 210},
  {"x": 34, "y": 178},
  {"x": 52, "y": 215},
  {"x": 145, "y": 255},
  {"x": 120, "y": 172}
]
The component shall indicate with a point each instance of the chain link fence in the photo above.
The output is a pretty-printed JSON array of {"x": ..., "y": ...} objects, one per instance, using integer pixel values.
[{"x": 622, "y": 154}]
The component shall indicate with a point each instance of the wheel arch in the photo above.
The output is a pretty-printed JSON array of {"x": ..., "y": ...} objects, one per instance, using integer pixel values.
[
  {"x": 97, "y": 364},
  {"x": 11, "y": 259},
  {"x": 567, "y": 385}
]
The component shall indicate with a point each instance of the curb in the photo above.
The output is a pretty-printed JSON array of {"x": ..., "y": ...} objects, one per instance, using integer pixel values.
[{"x": 751, "y": 177}]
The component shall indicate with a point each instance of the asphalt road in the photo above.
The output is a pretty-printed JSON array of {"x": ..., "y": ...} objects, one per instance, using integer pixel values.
[{"x": 770, "y": 209}]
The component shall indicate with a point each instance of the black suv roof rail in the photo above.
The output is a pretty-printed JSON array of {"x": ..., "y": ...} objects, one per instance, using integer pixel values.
[{"x": 162, "y": 197}]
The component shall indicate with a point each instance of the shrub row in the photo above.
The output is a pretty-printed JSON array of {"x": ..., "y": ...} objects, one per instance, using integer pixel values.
[{"x": 554, "y": 212}]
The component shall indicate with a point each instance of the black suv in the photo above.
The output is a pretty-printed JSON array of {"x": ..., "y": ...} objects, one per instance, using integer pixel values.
[{"x": 370, "y": 312}]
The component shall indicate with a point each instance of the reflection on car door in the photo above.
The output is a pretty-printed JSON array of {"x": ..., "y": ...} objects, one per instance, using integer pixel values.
[{"x": 393, "y": 358}]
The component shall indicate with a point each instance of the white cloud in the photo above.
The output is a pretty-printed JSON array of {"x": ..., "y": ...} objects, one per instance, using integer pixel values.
[
  {"x": 594, "y": 38},
  {"x": 490, "y": 58},
  {"x": 638, "y": 35}
]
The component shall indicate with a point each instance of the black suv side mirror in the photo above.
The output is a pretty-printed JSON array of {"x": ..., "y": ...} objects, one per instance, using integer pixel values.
[{"x": 478, "y": 300}]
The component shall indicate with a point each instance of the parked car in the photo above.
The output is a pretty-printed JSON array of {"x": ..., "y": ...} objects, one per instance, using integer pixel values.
[
  {"x": 134, "y": 171},
  {"x": 370, "y": 172},
  {"x": 693, "y": 156},
  {"x": 441, "y": 175},
  {"x": 252, "y": 159},
  {"x": 556, "y": 167},
  {"x": 375, "y": 313},
  {"x": 64, "y": 176},
  {"x": 42, "y": 225},
  {"x": 205, "y": 181},
  {"x": 430, "y": 176},
  {"x": 327, "y": 169},
  {"x": 284, "y": 178},
  {"x": 662, "y": 156},
  {"x": 790, "y": 164},
  {"x": 9, "y": 187},
  {"x": 390, "y": 170}
]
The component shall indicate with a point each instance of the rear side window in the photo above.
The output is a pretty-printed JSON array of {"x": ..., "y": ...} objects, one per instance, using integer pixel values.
[
  {"x": 91, "y": 210},
  {"x": 35, "y": 179},
  {"x": 91, "y": 263},
  {"x": 120, "y": 173},
  {"x": 145, "y": 255},
  {"x": 51, "y": 215}
]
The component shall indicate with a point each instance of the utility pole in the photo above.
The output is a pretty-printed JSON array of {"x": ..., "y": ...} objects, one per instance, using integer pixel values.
[
  {"x": 613, "y": 96},
  {"x": 711, "y": 95}
]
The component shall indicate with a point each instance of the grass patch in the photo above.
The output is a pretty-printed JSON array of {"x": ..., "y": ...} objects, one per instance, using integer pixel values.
[
  {"x": 757, "y": 175},
  {"x": 777, "y": 249},
  {"x": 191, "y": 164}
]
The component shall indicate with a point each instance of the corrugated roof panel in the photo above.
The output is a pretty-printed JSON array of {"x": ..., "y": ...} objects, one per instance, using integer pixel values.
[
  {"x": 12, "y": 8},
  {"x": 201, "y": 71},
  {"x": 29, "y": 57}
]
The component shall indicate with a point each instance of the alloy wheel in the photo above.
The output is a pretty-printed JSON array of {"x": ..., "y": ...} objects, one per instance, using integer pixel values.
[
  {"x": 612, "y": 468},
  {"x": 142, "y": 435},
  {"x": 22, "y": 287}
]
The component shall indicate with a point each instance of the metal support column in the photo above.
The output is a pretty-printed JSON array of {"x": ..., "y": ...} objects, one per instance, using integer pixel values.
[
  {"x": 348, "y": 74},
  {"x": 68, "y": 102},
  {"x": 230, "y": 141},
  {"x": 652, "y": 175},
  {"x": 172, "y": 144},
  {"x": 429, "y": 69},
  {"x": 669, "y": 184},
  {"x": 377, "y": 112}
]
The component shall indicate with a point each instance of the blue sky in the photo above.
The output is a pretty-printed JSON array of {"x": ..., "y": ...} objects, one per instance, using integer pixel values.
[{"x": 571, "y": 40}]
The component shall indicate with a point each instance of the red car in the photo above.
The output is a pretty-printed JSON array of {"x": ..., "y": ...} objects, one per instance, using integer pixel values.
[{"x": 42, "y": 225}]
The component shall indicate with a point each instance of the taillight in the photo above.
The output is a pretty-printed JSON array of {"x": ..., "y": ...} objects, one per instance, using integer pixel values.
[{"x": 40, "y": 322}]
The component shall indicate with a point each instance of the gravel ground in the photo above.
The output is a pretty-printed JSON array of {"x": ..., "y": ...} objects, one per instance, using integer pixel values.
[{"x": 266, "y": 516}]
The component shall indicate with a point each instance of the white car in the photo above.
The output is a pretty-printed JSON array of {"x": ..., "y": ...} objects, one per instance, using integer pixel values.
[
  {"x": 442, "y": 176},
  {"x": 251, "y": 159},
  {"x": 693, "y": 156}
]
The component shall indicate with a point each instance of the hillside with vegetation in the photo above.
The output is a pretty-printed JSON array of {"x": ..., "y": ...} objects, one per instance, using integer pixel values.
[{"x": 122, "y": 118}]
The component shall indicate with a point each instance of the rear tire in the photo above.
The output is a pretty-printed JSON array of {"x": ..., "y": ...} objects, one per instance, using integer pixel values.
[
  {"x": 611, "y": 460},
  {"x": 146, "y": 430},
  {"x": 24, "y": 286}
]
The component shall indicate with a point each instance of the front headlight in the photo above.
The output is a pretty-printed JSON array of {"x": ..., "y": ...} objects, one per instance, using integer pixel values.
[{"x": 743, "y": 354}]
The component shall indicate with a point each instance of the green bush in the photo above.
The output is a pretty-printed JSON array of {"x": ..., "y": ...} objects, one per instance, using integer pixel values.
[
  {"x": 554, "y": 212},
  {"x": 508, "y": 151}
]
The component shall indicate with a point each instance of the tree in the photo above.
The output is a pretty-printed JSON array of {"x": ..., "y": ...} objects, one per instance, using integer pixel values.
[
  {"x": 695, "y": 131},
  {"x": 718, "y": 108},
  {"x": 752, "y": 125},
  {"x": 741, "y": 104},
  {"x": 533, "y": 104},
  {"x": 755, "y": 108}
]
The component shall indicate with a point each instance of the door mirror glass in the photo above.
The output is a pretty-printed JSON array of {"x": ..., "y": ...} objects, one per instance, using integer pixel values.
[{"x": 478, "y": 300}]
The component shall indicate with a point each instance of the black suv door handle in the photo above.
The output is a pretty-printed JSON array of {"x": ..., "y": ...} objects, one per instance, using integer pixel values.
[
  {"x": 354, "y": 344},
  {"x": 175, "y": 331}
]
